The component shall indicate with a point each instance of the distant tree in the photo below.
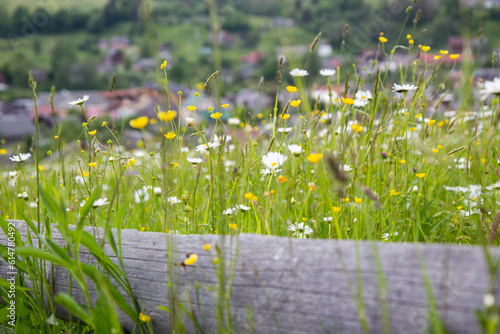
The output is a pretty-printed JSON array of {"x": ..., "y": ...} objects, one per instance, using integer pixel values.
[
  {"x": 18, "y": 20},
  {"x": 236, "y": 22},
  {"x": 62, "y": 58},
  {"x": 16, "y": 69},
  {"x": 5, "y": 24}
]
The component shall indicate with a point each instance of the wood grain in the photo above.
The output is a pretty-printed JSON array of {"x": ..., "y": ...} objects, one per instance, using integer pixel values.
[{"x": 283, "y": 285}]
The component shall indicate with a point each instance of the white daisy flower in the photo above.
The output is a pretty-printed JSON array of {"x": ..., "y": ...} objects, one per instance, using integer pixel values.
[
  {"x": 229, "y": 211},
  {"x": 363, "y": 95},
  {"x": 295, "y": 149},
  {"x": 284, "y": 130},
  {"x": 184, "y": 149},
  {"x": 79, "y": 102},
  {"x": 141, "y": 195},
  {"x": 489, "y": 88},
  {"x": 204, "y": 148},
  {"x": 300, "y": 230},
  {"x": 326, "y": 72},
  {"x": 297, "y": 72},
  {"x": 360, "y": 103},
  {"x": 100, "y": 202},
  {"x": 189, "y": 121},
  {"x": 273, "y": 160},
  {"x": 327, "y": 219},
  {"x": 346, "y": 168},
  {"x": 233, "y": 121},
  {"x": 157, "y": 191},
  {"x": 173, "y": 200},
  {"x": 195, "y": 161},
  {"x": 14, "y": 175},
  {"x": 267, "y": 171},
  {"x": 20, "y": 157},
  {"x": 24, "y": 196},
  {"x": 242, "y": 207},
  {"x": 403, "y": 88}
]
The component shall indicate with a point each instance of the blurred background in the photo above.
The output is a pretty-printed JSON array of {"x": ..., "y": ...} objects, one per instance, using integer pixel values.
[{"x": 111, "y": 50}]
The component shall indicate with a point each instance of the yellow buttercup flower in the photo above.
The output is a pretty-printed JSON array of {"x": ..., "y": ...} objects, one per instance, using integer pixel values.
[
  {"x": 92, "y": 164},
  {"x": 437, "y": 57},
  {"x": 295, "y": 103},
  {"x": 291, "y": 89},
  {"x": 216, "y": 115},
  {"x": 92, "y": 132},
  {"x": 143, "y": 317},
  {"x": 191, "y": 108},
  {"x": 393, "y": 192},
  {"x": 402, "y": 161},
  {"x": 207, "y": 247},
  {"x": 431, "y": 121},
  {"x": 336, "y": 209},
  {"x": 408, "y": 36},
  {"x": 347, "y": 100},
  {"x": 345, "y": 200},
  {"x": 131, "y": 162},
  {"x": 42, "y": 168},
  {"x": 425, "y": 48},
  {"x": 225, "y": 105},
  {"x": 163, "y": 65},
  {"x": 167, "y": 116},
  {"x": 454, "y": 56},
  {"x": 139, "y": 123},
  {"x": 104, "y": 123},
  {"x": 170, "y": 135},
  {"x": 314, "y": 157},
  {"x": 382, "y": 39},
  {"x": 282, "y": 179},
  {"x": 190, "y": 260},
  {"x": 420, "y": 175},
  {"x": 285, "y": 116},
  {"x": 3, "y": 151},
  {"x": 358, "y": 200},
  {"x": 411, "y": 42},
  {"x": 443, "y": 52},
  {"x": 357, "y": 128},
  {"x": 435, "y": 150},
  {"x": 248, "y": 195},
  {"x": 233, "y": 226}
]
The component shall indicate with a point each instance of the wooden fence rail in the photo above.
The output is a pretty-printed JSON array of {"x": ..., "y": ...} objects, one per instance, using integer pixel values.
[{"x": 283, "y": 285}]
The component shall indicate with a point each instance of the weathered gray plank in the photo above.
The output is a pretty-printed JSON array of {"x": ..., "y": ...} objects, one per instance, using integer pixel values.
[{"x": 297, "y": 286}]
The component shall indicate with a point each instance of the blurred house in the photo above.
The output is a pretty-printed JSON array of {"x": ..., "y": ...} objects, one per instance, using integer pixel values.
[
  {"x": 115, "y": 42},
  {"x": 95, "y": 106},
  {"x": 15, "y": 122}
]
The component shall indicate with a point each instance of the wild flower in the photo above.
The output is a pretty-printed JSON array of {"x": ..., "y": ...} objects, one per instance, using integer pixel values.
[
  {"x": 403, "y": 88},
  {"x": 284, "y": 129},
  {"x": 296, "y": 150},
  {"x": 233, "y": 121},
  {"x": 100, "y": 202},
  {"x": 20, "y": 157},
  {"x": 314, "y": 157},
  {"x": 229, "y": 211},
  {"x": 80, "y": 101},
  {"x": 139, "y": 123},
  {"x": 327, "y": 72},
  {"x": 300, "y": 230},
  {"x": 242, "y": 207},
  {"x": 296, "y": 72},
  {"x": 489, "y": 88},
  {"x": 195, "y": 161},
  {"x": 291, "y": 89},
  {"x": 167, "y": 116},
  {"x": 173, "y": 200},
  {"x": 190, "y": 260},
  {"x": 205, "y": 148},
  {"x": 273, "y": 160}
]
